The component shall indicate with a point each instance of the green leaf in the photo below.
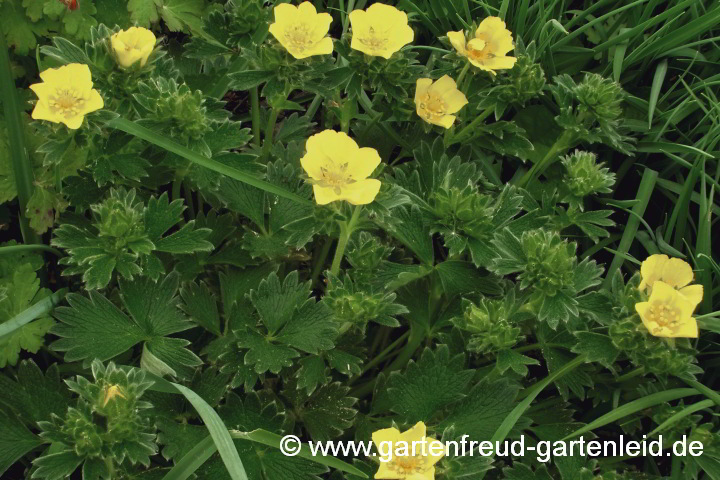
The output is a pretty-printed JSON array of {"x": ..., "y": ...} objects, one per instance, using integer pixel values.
[
  {"x": 312, "y": 373},
  {"x": 460, "y": 277},
  {"x": 515, "y": 361},
  {"x": 154, "y": 305},
  {"x": 326, "y": 413},
  {"x": 250, "y": 78},
  {"x": 275, "y": 302},
  {"x": 265, "y": 355},
  {"x": 21, "y": 330},
  {"x": 575, "y": 381},
  {"x": 22, "y": 396},
  {"x": 435, "y": 381},
  {"x": 596, "y": 347},
  {"x": 178, "y": 13},
  {"x": 16, "y": 440},
  {"x": 56, "y": 466},
  {"x": 483, "y": 410},
  {"x": 93, "y": 328},
  {"x": 311, "y": 328},
  {"x": 186, "y": 240},
  {"x": 143, "y": 12},
  {"x": 201, "y": 306}
]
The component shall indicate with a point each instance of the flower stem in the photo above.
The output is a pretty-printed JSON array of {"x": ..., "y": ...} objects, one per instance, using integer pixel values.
[
  {"x": 463, "y": 72},
  {"x": 255, "y": 109},
  {"x": 560, "y": 145},
  {"x": 453, "y": 139},
  {"x": 29, "y": 248},
  {"x": 269, "y": 131},
  {"x": 346, "y": 230}
]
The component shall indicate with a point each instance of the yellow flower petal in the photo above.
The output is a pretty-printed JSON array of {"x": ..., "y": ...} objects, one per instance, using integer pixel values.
[
  {"x": 66, "y": 95},
  {"x": 386, "y": 435},
  {"x": 651, "y": 270},
  {"x": 94, "y": 102},
  {"x": 73, "y": 122},
  {"x": 436, "y": 102},
  {"x": 457, "y": 40},
  {"x": 381, "y": 30},
  {"x": 361, "y": 192},
  {"x": 677, "y": 273},
  {"x": 363, "y": 162},
  {"x": 42, "y": 112},
  {"x": 421, "y": 87},
  {"x": 133, "y": 45},
  {"x": 488, "y": 48},
  {"x": 693, "y": 293},
  {"x": 668, "y": 313},
  {"x": 301, "y": 30},
  {"x": 338, "y": 168}
]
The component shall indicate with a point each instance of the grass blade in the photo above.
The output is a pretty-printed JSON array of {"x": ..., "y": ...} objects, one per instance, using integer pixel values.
[
  {"x": 273, "y": 440},
  {"x": 647, "y": 185},
  {"x": 171, "y": 146},
  {"x": 28, "y": 315},
  {"x": 19, "y": 154},
  {"x": 657, "y": 82},
  {"x": 512, "y": 418},
  {"x": 634, "y": 407},
  {"x": 218, "y": 432},
  {"x": 192, "y": 460}
]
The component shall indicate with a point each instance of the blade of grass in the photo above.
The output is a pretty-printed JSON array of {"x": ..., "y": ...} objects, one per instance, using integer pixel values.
[
  {"x": 259, "y": 435},
  {"x": 682, "y": 414},
  {"x": 218, "y": 432},
  {"x": 707, "y": 391},
  {"x": 20, "y": 157},
  {"x": 634, "y": 407},
  {"x": 171, "y": 146},
  {"x": 645, "y": 189},
  {"x": 192, "y": 460},
  {"x": 509, "y": 422},
  {"x": 30, "y": 248},
  {"x": 657, "y": 82},
  {"x": 273, "y": 440},
  {"x": 42, "y": 307}
]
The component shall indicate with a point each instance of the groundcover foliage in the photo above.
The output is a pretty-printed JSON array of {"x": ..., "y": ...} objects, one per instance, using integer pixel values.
[{"x": 225, "y": 222}]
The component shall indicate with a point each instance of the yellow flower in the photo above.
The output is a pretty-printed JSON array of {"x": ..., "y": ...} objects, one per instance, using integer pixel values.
[
  {"x": 338, "y": 168},
  {"x": 672, "y": 271},
  {"x": 131, "y": 45},
  {"x": 488, "y": 49},
  {"x": 420, "y": 466},
  {"x": 66, "y": 95},
  {"x": 436, "y": 102},
  {"x": 301, "y": 30},
  {"x": 112, "y": 392},
  {"x": 668, "y": 313},
  {"x": 380, "y": 31}
]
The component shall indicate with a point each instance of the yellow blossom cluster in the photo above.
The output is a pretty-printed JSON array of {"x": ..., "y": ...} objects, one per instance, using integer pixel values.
[{"x": 672, "y": 300}]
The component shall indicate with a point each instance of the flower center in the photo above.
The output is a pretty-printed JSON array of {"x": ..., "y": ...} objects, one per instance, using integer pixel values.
[
  {"x": 663, "y": 317},
  {"x": 433, "y": 106},
  {"x": 335, "y": 177},
  {"x": 298, "y": 36},
  {"x": 406, "y": 466},
  {"x": 478, "y": 49},
  {"x": 66, "y": 102},
  {"x": 374, "y": 40}
]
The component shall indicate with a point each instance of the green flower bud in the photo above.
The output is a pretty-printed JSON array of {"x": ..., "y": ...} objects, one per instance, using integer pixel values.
[{"x": 585, "y": 176}]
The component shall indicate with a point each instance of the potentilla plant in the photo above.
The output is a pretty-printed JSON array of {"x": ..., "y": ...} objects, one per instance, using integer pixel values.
[{"x": 233, "y": 222}]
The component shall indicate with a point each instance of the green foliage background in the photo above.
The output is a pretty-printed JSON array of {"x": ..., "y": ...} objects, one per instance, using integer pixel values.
[{"x": 172, "y": 301}]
